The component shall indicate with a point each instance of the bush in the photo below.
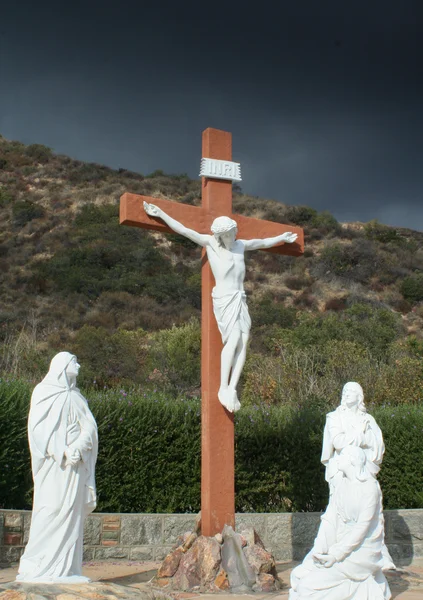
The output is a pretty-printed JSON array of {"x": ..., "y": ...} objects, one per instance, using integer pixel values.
[
  {"x": 175, "y": 356},
  {"x": 15, "y": 465},
  {"x": 297, "y": 374},
  {"x": 267, "y": 311},
  {"x": 412, "y": 288},
  {"x": 277, "y": 460},
  {"x": 39, "y": 152},
  {"x": 382, "y": 233},
  {"x": 6, "y": 197},
  {"x": 301, "y": 215},
  {"x": 25, "y": 211},
  {"x": 297, "y": 282},
  {"x": 149, "y": 454},
  {"x": 309, "y": 218},
  {"x": 88, "y": 173},
  {"x": 401, "y": 474},
  {"x": 166, "y": 287},
  {"x": 372, "y": 328},
  {"x": 109, "y": 358},
  {"x": 357, "y": 261},
  {"x": 102, "y": 256},
  {"x": 336, "y": 303},
  {"x": 326, "y": 223}
]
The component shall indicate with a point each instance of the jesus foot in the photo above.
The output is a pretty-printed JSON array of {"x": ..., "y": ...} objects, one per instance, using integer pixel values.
[{"x": 229, "y": 398}]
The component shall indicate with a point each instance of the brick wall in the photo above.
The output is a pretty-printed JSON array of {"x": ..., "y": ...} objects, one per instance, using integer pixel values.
[{"x": 141, "y": 537}]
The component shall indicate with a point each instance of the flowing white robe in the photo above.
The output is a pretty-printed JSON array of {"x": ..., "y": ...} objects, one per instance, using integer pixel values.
[
  {"x": 346, "y": 428},
  {"x": 64, "y": 494},
  {"x": 352, "y": 531}
]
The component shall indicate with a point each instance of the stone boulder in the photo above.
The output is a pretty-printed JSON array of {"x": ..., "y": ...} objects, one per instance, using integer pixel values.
[
  {"x": 266, "y": 583},
  {"x": 259, "y": 559},
  {"x": 170, "y": 564},
  {"x": 197, "y": 568}
]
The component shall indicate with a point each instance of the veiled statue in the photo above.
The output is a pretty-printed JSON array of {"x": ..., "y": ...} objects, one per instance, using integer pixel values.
[{"x": 63, "y": 443}]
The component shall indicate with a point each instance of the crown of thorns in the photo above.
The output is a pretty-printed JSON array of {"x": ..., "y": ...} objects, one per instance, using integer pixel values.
[{"x": 223, "y": 224}]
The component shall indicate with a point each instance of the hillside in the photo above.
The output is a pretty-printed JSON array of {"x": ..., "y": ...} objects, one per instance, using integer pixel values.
[{"x": 73, "y": 278}]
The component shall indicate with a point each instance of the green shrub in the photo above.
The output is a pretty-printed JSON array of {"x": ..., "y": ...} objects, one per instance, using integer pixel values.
[
  {"x": 310, "y": 219},
  {"x": 109, "y": 358},
  {"x": 175, "y": 356},
  {"x": 301, "y": 215},
  {"x": 39, "y": 152},
  {"x": 6, "y": 197},
  {"x": 149, "y": 454},
  {"x": 326, "y": 223},
  {"x": 412, "y": 288},
  {"x": 357, "y": 261},
  {"x": 15, "y": 464},
  {"x": 373, "y": 328},
  {"x": 273, "y": 447},
  {"x": 402, "y": 471},
  {"x": 267, "y": 311},
  {"x": 296, "y": 374},
  {"x": 91, "y": 215},
  {"x": 166, "y": 287},
  {"x": 88, "y": 173},
  {"x": 102, "y": 256},
  {"x": 415, "y": 346},
  {"x": 382, "y": 233},
  {"x": 25, "y": 211}
]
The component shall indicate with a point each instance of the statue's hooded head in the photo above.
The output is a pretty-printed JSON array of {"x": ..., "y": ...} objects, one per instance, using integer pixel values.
[
  {"x": 353, "y": 395},
  {"x": 223, "y": 225},
  {"x": 355, "y": 456},
  {"x": 63, "y": 368}
]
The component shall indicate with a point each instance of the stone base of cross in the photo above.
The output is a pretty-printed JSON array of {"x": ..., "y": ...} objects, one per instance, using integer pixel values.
[{"x": 217, "y": 437}]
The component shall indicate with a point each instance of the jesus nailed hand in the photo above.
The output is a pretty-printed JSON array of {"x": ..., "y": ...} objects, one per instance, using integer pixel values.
[{"x": 226, "y": 257}]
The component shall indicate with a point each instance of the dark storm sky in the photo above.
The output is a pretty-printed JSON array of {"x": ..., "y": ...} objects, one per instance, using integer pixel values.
[{"x": 323, "y": 97}]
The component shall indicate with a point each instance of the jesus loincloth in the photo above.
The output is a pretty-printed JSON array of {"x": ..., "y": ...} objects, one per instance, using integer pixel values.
[{"x": 231, "y": 309}]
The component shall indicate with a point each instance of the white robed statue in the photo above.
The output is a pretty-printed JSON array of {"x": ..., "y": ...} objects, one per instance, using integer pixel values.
[
  {"x": 63, "y": 443},
  {"x": 226, "y": 257},
  {"x": 351, "y": 425},
  {"x": 346, "y": 560}
]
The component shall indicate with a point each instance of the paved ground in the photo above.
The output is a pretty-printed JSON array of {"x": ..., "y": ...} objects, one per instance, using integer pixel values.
[{"x": 406, "y": 583}]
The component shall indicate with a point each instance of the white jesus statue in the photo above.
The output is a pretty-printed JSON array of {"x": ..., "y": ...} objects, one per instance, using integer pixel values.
[{"x": 226, "y": 257}]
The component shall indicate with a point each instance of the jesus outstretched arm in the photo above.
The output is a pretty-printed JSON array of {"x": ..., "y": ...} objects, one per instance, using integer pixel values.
[
  {"x": 262, "y": 244},
  {"x": 194, "y": 236}
]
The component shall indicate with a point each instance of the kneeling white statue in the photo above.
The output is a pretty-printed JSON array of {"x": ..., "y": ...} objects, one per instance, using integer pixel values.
[
  {"x": 351, "y": 425},
  {"x": 346, "y": 560},
  {"x": 226, "y": 257},
  {"x": 63, "y": 442}
]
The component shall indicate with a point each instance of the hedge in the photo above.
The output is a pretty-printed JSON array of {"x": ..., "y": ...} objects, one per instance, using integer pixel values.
[{"x": 149, "y": 457}]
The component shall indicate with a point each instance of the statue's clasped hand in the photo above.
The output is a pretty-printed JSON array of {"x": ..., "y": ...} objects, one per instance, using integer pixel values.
[
  {"x": 326, "y": 560},
  {"x": 72, "y": 455}
]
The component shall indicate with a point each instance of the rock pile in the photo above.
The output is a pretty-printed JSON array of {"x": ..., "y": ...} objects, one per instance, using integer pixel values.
[{"x": 235, "y": 562}]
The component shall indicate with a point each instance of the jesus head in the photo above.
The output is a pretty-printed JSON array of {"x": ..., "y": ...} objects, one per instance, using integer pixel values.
[{"x": 224, "y": 230}]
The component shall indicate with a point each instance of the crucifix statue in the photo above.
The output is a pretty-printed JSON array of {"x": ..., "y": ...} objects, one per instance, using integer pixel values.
[
  {"x": 225, "y": 315},
  {"x": 226, "y": 258}
]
